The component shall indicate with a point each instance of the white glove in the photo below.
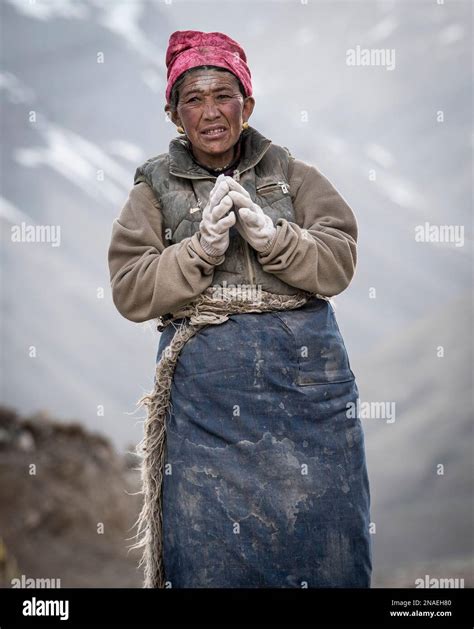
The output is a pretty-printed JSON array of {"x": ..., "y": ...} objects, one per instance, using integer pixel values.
[
  {"x": 252, "y": 223},
  {"x": 217, "y": 219}
]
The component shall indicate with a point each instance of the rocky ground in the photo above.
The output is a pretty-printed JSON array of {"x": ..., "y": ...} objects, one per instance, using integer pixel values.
[{"x": 66, "y": 508}]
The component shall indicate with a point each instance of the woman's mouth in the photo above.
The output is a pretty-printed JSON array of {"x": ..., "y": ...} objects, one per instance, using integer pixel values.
[{"x": 215, "y": 133}]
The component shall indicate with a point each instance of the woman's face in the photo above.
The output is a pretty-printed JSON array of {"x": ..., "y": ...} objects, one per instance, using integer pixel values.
[{"x": 211, "y": 99}]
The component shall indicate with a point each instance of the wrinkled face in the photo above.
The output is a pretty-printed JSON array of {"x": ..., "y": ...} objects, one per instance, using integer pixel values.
[{"x": 211, "y": 110}]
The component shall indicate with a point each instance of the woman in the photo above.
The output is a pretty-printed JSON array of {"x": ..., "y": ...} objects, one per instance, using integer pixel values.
[{"x": 236, "y": 246}]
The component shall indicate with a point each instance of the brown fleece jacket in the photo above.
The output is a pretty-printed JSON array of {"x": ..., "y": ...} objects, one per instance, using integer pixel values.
[{"x": 149, "y": 278}]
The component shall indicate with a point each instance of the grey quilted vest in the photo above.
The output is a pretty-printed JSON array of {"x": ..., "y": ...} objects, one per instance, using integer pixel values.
[{"x": 182, "y": 188}]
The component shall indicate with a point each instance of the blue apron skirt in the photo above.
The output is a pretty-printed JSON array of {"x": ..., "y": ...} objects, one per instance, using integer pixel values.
[{"x": 265, "y": 479}]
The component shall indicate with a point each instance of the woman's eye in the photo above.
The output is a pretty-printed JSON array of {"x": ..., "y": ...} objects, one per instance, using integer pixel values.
[
  {"x": 191, "y": 99},
  {"x": 223, "y": 96}
]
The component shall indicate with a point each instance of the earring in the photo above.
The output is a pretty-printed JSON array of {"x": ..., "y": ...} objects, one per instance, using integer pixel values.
[
  {"x": 245, "y": 125},
  {"x": 180, "y": 130}
]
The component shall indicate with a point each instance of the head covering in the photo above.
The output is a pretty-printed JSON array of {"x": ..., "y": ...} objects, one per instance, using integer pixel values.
[{"x": 188, "y": 49}]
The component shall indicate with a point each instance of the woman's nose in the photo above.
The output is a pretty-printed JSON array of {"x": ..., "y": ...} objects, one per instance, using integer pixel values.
[{"x": 211, "y": 110}]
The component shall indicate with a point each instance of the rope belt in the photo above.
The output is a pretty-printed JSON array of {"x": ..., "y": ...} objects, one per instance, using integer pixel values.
[{"x": 206, "y": 309}]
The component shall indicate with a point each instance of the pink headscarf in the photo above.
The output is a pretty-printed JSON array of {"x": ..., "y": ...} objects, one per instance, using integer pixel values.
[{"x": 188, "y": 49}]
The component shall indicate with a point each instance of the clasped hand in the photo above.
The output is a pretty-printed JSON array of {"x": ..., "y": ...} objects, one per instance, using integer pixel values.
[{"x": 250, "y": 221}]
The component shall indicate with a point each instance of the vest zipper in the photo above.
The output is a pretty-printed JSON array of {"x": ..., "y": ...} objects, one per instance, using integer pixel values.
[
  {"x": 252, "y": 278},
  {"x": 272, "y": 186}
]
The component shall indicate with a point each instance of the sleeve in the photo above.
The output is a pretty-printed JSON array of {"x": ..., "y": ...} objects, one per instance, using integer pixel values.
[
  {"x": 149, "y": 278},
  {"x": 318, "y": 252}
]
